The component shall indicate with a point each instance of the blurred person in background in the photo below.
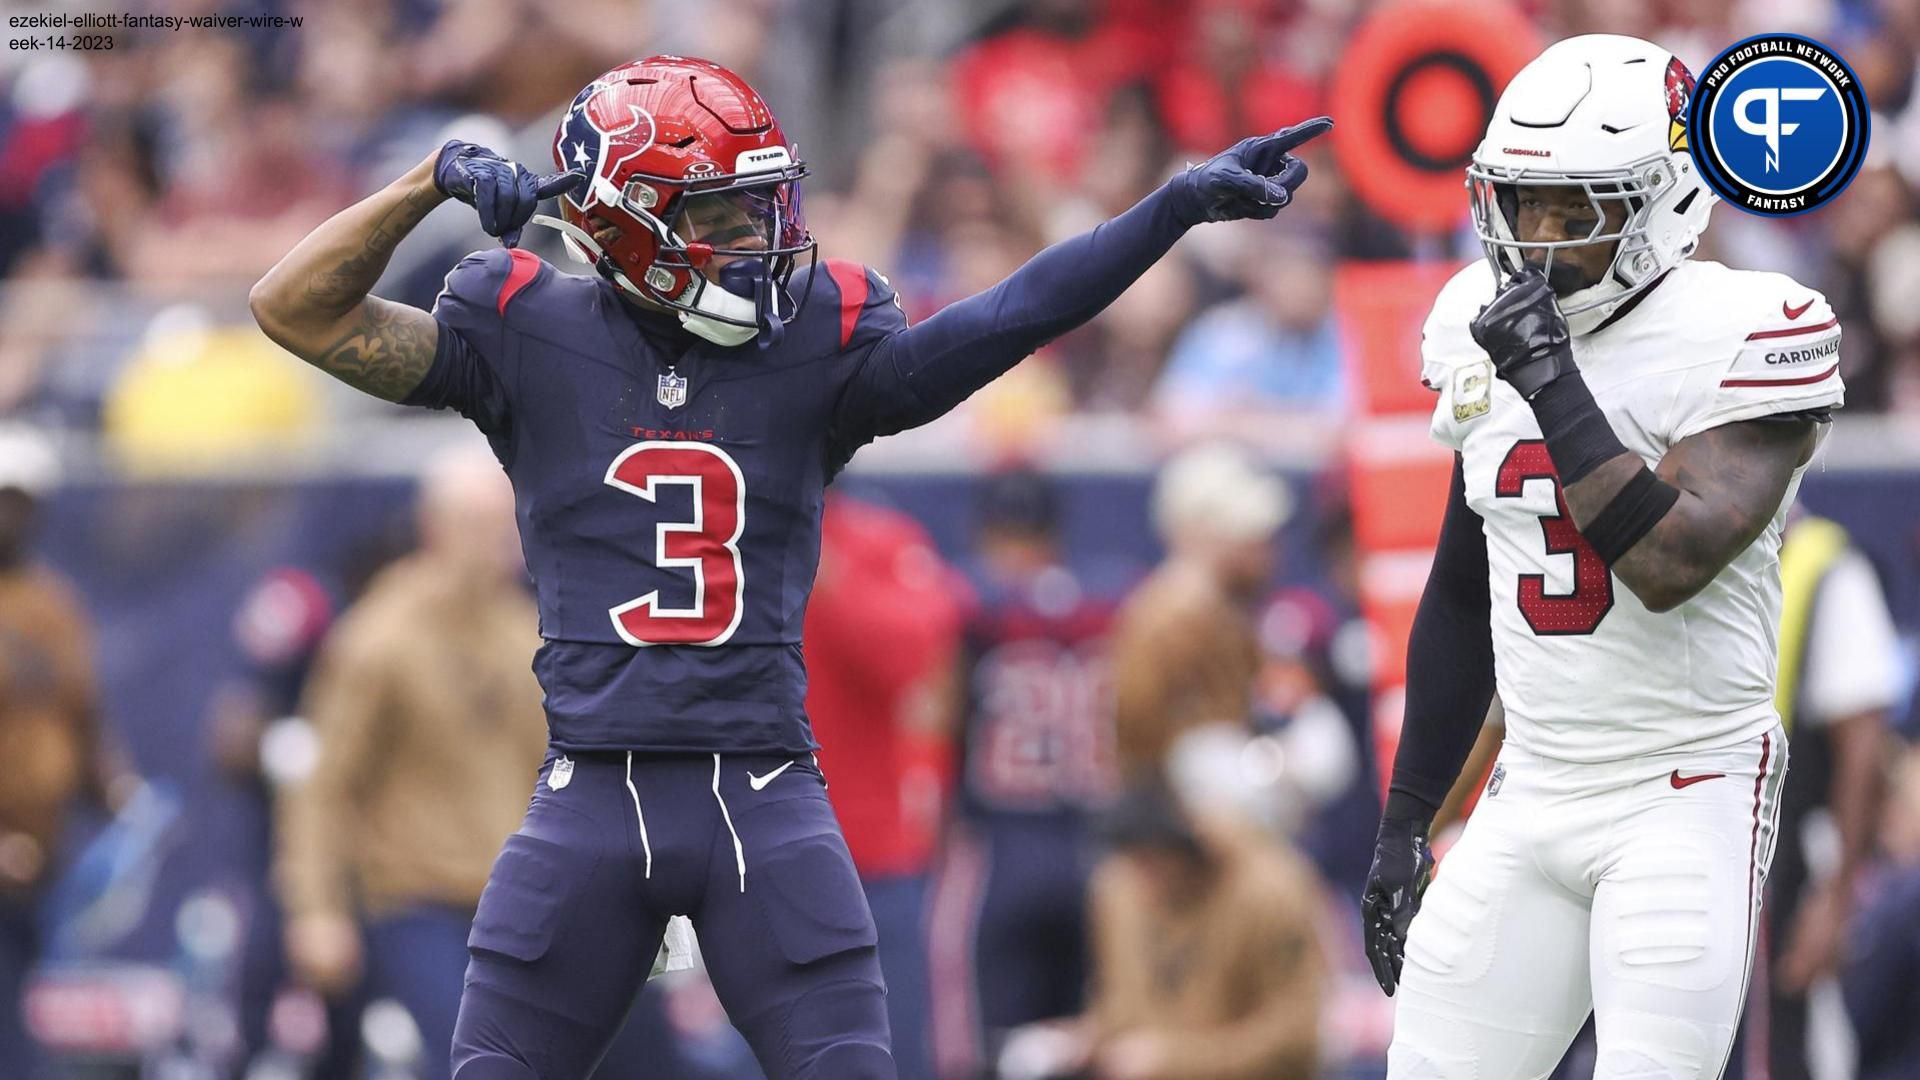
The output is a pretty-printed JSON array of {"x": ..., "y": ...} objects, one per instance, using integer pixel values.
[
  {"x": 1840, "y": 675},
  {"x": 429, "y": 731},
  {"x": 1881, "y": 975},
  {"x": 1232, "y": 72},
  {"x": 882, "y": 641},
  {"x": 1207, "y": 959},
  {"x": 1318, "y": 649},
  {"x": 260, "y": 741},
  {"x": 1113, "y": 364},
  {"x": 1274, "y": 349},
  {"x": 53, "y": 753},
  {"x": 1185, "y": 649},
  {"x": 1031, "y": 95},
  {"x": 1009, "y": 917},
  {"x": 257, "y": 739}
]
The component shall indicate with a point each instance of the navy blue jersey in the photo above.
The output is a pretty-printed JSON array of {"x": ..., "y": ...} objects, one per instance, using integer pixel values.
[
  {"x": 669, "y": 490},
  {"x": 1038, "y": 730}
]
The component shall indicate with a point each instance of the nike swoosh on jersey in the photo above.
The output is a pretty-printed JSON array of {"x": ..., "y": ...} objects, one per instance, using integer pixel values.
[
  {"x": 1679, "y": 781},
  {"x": 1793, "y": 313},
  {"x": 759, "y": 782}
]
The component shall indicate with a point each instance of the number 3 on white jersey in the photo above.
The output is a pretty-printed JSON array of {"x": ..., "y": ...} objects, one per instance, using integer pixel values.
[{"x": 709, "y": 545}]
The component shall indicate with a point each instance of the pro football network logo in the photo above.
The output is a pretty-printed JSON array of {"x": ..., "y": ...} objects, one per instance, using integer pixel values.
[{"x": 1778, "y": 125}]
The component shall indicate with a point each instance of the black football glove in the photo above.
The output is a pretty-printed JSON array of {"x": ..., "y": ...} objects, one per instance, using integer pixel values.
[
  {"x": 1253, "y": 178},
  {"x": 1402, "y": 866},
  {"x": 504, "y": 192},
  {"x": 1525, "y": 334}
]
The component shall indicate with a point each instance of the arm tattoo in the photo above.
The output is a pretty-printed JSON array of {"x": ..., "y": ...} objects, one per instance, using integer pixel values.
[
  {"x": 385, "y": 350},
  {"x": 1731, "y": 479},
  {"x": 337, "y": 287}
]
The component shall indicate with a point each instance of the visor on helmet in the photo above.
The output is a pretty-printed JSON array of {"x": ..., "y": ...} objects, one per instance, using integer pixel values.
[{"x": 743, "y": 221}]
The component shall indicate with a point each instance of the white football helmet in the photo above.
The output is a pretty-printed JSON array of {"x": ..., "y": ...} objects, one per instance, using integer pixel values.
[{"x": 1607, "y": 114}]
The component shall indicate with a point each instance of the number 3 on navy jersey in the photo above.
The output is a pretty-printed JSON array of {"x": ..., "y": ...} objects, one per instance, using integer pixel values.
[{"x": 709, "y": 545}]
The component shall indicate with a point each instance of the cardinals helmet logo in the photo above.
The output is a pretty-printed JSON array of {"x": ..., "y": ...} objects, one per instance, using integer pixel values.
[{"x": 1679, "y": 95}]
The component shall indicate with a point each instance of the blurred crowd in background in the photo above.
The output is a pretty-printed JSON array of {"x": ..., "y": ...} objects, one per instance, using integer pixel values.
[
  {"x": 1048, "y": 638},
  {"x": 142, "y": 189}
]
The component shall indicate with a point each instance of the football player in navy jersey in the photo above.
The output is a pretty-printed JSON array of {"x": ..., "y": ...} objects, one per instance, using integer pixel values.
[
  {"x": 670, "y": 423},
  {"x": 1010, "y": 938}
]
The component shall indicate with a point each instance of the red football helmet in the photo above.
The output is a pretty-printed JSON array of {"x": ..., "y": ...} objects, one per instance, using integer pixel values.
[{"x": 688, "y": 162}]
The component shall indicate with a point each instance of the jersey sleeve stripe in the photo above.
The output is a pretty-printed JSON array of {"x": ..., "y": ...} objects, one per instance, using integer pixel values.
[
  {"x": 1804, "y": 380},
  {"x": 851, "y": 278},
  {"x": 525, "y": 265},
  {"x": 1793, "y": 331}
]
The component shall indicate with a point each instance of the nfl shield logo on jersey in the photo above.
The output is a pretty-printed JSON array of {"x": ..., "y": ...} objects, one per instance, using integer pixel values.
[
  {"x": 673, "y": 390},
  {"x": 1495, "y": 781}
]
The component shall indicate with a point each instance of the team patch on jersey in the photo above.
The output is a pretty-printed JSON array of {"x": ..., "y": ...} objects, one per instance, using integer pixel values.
[
  {"x": 673, "y": 390},
  {"x": 1472, "y": 391}
]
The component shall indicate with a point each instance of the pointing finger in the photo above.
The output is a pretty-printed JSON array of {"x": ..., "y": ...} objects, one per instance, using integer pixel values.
[
  {"x": 1300, "y": 134},
  {"x": 566, "y": 183}
]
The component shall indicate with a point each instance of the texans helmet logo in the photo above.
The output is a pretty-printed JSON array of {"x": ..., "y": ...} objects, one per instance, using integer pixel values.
[{"x": 591, "y": 122}]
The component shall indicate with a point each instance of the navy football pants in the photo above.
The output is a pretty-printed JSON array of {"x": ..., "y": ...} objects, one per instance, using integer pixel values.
[
  {"x": 19, "y": 948},
  {"x": 1009, "y": 934},
  {"x": 578, "y": 900}
]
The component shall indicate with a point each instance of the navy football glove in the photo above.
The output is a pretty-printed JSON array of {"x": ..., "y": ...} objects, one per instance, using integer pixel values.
[
  {"x": 1402, "y": 866},
  {"x": 1253, "y": 178},
  {"x": 1525, "y": 334},
  {"x": 504, "y": 192}
]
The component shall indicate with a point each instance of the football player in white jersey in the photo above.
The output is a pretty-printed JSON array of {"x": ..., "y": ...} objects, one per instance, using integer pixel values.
[{"x": 1630, "y": 427}]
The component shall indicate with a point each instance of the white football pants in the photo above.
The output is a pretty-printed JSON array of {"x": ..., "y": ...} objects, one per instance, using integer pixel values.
[{"x": 1630, "y": 890}]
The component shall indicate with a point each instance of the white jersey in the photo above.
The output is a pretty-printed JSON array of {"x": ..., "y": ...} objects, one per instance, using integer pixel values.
[{"x": 1585, "y": 671}]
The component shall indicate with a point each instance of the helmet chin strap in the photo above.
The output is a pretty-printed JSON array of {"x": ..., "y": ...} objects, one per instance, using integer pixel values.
[
  {"x": 705, "y": 301},
  {"x": 708, "y": 299}
]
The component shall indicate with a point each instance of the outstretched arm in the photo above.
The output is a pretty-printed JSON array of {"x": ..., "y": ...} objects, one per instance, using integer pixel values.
[
  {"x": 315, "y": 302},
  {"x": 916, "y": 375}
]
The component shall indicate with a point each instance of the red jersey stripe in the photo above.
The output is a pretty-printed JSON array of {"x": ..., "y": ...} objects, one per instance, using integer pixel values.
[
  {"x": 525, "y": 265},
  {"x": 1802, "y": 381},
  {"x": 851, "y": 278},
  {"x": 1792, "y": 331}
]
